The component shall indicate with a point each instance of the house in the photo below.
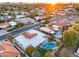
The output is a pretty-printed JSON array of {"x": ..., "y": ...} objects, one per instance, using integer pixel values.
[
  {"x": 39, "y": 18},
  {"x": 52, "y": 27},
  {"x": 25, "y": 13},
  {"x": 12, "y": 23},
  {"x": 46, "y": 30},
  {"x": 8, "y": 50},
  {"x": 25, "y": 20},
  {"x": 9, "y": 17},
  {"x": 62, "y": 23},
  {"x": 20, "y": 16},
  {"x": 2, "y": 17},
  {"x": 4, "y": 25},
  {"x": 31, "y": 37},
  {"x": 5, "y": 13},
  {"x": 17, "y": 12}
]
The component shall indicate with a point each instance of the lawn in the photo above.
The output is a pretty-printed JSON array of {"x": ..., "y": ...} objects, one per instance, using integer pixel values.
[{"x": 42, "y": 52}]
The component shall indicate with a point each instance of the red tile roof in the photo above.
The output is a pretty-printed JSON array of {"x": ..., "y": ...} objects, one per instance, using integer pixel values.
[
  {"x": 62, "y": 22},
  {"x": 8, "y": 50},
  {"x": 29, "y": 35}
]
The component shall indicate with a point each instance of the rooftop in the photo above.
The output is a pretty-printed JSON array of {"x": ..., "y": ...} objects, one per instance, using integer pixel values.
[
  {"x": 37, "y": 39},
  {"x": 8, "y": 50}
]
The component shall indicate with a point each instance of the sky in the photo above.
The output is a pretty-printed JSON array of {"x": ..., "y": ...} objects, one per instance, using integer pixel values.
[{"x": 42, "y": 1}]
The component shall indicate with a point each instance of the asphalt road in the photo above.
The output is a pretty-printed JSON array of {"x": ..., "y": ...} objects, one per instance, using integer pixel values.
[{"x": 19, "y": 30}]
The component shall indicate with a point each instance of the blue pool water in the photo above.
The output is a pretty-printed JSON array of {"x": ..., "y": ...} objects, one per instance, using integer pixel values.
[{"x": 49, "y": 45}]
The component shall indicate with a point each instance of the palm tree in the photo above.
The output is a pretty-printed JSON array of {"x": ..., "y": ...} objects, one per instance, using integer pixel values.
[
  {"x": 29, "y": 50},
  {"x": 70, "y": 38},
  {"x": 61, "y": 45},
  {"x": 48, "y": 54},
  {"x": 58, "y": 43},
  {"x": 10, "y": 37}
]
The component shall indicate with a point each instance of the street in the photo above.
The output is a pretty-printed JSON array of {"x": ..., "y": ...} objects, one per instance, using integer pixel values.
[{"x": 19, "y": 30}]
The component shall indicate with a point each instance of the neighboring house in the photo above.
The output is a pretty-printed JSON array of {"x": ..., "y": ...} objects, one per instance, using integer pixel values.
[
  {"x": 31, "y": 37},
  {"x": 25, "y": 20},
  {"x": 62, "y": 23},
  {"x": 4, "y": 25},
  {"x": 46, "y": 30},
  {"x": 17, "y": 12},
  {"x": 25, "y": 13},
  {"x": 19, "y": 16},
  {"x": 8, "y": 50},
  {"x": 2, "y": 17},
  {"x": 52, "y": 27},
  {"x": 9, "y": 17},
  {"x": 39, "y": 18},
  {"x": 53, "y": 18},
  {"x": 12, "y": 23},
  {"x": 7, "y": 25},
  {"x": 40, "y": 13},
  {"x": 5, "y": 13}
]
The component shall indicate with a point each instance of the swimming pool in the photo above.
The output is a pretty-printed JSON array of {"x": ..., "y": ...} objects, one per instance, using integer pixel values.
[{"x": 49, "y": 45}]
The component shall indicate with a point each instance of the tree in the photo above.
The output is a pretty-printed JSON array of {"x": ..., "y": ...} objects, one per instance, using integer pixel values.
[
  {"x": 77, "y": 9},
  {"x": 46, "y": 21},
  {"x": 69, "y": 14},
  {"x": 51, "y": 38},
  {"x": 19, "y": 24},
  {"x": 36, "y": 54},
  {"x": 58, "y": 43},
  {"x": 48, "y": 54},
  {"x": 76, "y": 26},
  {"x": 32, "y": 14},
  {"x": 10, "y": 37},
  {"x": 2, "y": 21},
  {"x": 29, "y": 50},
  {"x": 13, "y": 15},
  {"x": 42, "y": 52},
  {"x": 77, "y": 22},
  {"x": 70, "y": 38}
]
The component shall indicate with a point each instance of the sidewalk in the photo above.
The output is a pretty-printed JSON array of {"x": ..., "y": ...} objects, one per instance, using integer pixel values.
[{"x": 2, "y": 32}]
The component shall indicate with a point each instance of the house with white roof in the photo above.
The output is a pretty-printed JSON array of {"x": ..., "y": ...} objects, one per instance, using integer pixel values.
[
  {"x": 25, "y": 20},
  {"x": 31, "y": 37},
  {"x": 20, "y": 16},
  {"x": 46, "y": 30},
  {"x": 12, "y": 23},
  {"x": 17, "y": 12},
  {"x": 3, "y": 17},
  {"x": 26, "y": 13},
  {"x": 37, "y": 18},
  {"x": 52, "y": 27}
]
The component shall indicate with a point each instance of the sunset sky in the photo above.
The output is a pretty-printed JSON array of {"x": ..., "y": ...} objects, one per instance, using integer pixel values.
[{"x": 43, "y": 1}]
